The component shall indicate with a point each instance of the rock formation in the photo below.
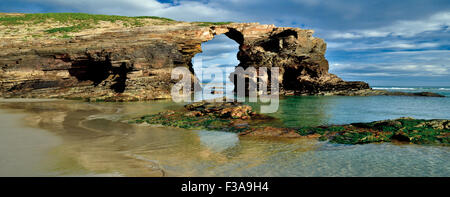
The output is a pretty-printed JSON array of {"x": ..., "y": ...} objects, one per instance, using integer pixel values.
[
  {"x": 120, "y": 63},
  {"x": 300, "y": 57}
]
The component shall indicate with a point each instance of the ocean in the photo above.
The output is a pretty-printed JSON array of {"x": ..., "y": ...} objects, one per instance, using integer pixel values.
[
  {"x": 332, "y": 110},
  {"x": 444, "y": 90}
]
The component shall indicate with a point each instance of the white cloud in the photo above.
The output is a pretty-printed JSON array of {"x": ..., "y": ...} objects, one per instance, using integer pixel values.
[
  {"x": 404, "y": 28},
  {"x": 430, "y": 63},
  {"x": 183, "y": 10},
  {"x": 344, "y": 35},
  {"x": 375, "y": 74},
  {"x": 388, "y": 44}
]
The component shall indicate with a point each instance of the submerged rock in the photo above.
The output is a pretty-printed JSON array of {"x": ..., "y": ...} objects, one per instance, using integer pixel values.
[
  {"x": 271, "y": 132},
  {"x": 411, "y": 130},
  {"x": 372, "y": 92},
  {"x": 429, "y": 94}
]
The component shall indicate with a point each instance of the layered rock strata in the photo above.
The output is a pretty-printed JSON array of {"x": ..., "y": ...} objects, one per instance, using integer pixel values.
[{"x": 118, "y": 63}]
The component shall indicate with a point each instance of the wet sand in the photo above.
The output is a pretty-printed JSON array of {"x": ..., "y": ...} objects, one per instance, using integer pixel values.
[
  {"x": 84, "y": 139},
  {"x": 71, "y": 138},
  {"x": 30, "y": 151},
  {"x": 24, "y": 151}
]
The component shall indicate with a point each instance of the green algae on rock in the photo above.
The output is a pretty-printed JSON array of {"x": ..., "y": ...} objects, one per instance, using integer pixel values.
[
  {"x": 231, "y": 117},
  {"x": 409, "y": 130},
  {"x": 239, "y": 118}
]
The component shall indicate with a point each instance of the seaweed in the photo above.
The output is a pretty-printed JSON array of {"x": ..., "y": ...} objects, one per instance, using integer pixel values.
[{"x": 416, "y": 131}]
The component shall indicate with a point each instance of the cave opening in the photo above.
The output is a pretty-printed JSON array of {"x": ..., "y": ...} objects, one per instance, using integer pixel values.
[
  {"x": 214, "y": 65},
  {"x": 89, "y": 70},
  {"x": 290, "y": 78},
  {"x": 99, "y": 71},
  {"x": 120, "y": 75}
]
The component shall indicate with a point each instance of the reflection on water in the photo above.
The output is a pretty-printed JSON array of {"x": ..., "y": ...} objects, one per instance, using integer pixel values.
[
  {"x": 23, "y": 157},
  {"x": 95, "y": 139},
  {"x": 309, "y": 111},
  {"x": 218, "y": 141}
]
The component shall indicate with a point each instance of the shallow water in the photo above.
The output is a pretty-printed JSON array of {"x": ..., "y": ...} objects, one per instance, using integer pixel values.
[
  {"x": 327, "y": 110},
  {"x": 91, "y": 139},
  {"x": 27, "y": 156}
]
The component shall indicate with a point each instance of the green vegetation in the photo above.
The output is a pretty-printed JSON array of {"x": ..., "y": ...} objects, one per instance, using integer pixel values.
[
  {"x": 69, "y": 18},
  {"x": 181, "y": 120},
  {"x": 434, "y": 132},
  {"x": 75, "y": 21},
  {"x": 74, "y": 28},
  {"x": 361, "y": 138},
  {"x": 305, "y": 131},
  {"x": 207, "y": 24},
  {"x": 404, "y": 130},
  {"x": 65, "y": 36},
  {"x": 157, "y": 18}
]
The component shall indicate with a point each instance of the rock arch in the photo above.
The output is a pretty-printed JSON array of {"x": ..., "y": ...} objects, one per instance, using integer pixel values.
[{"x": 140, "y": 61}]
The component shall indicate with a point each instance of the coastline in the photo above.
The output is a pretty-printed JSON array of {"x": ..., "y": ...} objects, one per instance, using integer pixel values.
[{"x": 241, "y": 119}]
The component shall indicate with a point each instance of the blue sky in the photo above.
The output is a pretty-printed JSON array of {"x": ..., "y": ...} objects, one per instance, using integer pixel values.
[{"x": 383, "y": 42}]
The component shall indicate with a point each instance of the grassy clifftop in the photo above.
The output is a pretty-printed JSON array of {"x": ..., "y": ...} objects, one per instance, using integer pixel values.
[
  {"x": 66, "y": 25},
  {"x": 19, "y": 19}
]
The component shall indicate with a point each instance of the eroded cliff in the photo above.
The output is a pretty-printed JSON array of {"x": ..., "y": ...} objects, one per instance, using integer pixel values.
[{"x": 132, "y": 59}]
